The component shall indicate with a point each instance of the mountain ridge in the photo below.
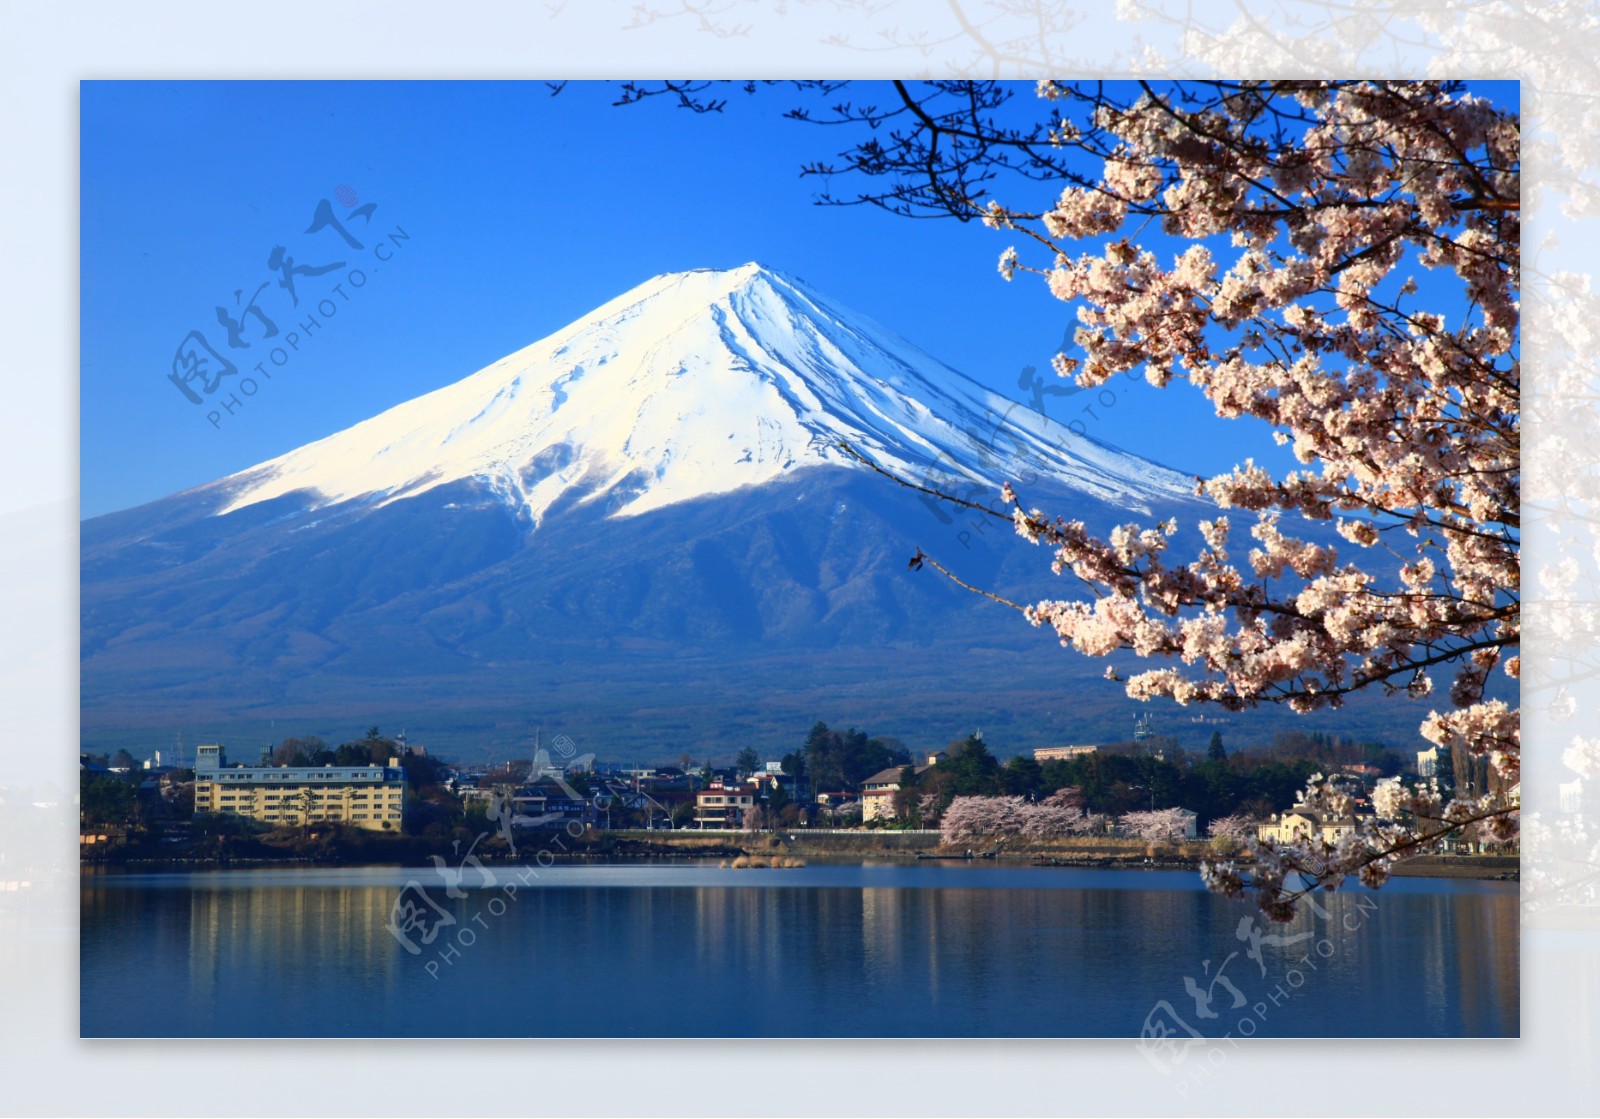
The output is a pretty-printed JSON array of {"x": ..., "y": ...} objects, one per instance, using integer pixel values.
[{"x": 567, "y": 536}]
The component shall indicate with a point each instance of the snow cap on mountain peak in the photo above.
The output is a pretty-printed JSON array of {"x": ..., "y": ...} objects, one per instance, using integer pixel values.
[{"x": 691, "y": 384}]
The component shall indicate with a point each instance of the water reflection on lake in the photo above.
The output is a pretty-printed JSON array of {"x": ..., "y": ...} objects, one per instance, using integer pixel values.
[{"x": 890, "y": 949}]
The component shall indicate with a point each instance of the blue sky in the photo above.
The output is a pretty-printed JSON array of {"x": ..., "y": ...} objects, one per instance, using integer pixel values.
[{"x": 523, "y": 211}]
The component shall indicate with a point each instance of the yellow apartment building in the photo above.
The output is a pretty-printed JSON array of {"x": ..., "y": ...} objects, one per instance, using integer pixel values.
[{"x": 366, "y": 796}]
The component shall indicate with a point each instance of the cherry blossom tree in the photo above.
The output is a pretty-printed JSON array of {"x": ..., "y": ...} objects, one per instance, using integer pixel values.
[
  {"x": 1063, "y": 813},
  {"x": 1406, "y": 410},
  {"x": 1235, "y": 829},
  {"x": 1058, "y": 816},
  {"x": 1340, "y": 261},
  {"x": 1158, "y": 825},
  {"x": 1093, "y": 823},
  {"x": 1231, "y": 834},
  {"x": 1351, "y": 278},
  {"x": 1045, "y": 820},
  {"x": 1069, "y": 797},
  {"x": 975, "y": 818}
]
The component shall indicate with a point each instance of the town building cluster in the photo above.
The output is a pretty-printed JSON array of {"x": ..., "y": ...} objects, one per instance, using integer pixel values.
[{"x": 583, "y": 793}]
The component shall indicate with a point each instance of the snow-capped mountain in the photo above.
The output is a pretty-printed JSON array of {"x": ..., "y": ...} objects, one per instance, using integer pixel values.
[
  {"x": 642, "y": 525},
  {"x": 694, "y": 384}
]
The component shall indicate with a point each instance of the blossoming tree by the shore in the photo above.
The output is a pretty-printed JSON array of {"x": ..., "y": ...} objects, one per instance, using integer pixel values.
[
  {"x": 1365, "y": 306},
  {"x": 1338, "y": 259},
  {"x": 1351, "y": 278}
]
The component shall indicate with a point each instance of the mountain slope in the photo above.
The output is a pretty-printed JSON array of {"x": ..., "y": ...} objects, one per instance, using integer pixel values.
[{"x": 651, "y": 501}]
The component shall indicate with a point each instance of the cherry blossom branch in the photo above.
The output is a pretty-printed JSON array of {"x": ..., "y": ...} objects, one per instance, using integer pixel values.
[{"x": 1301, "y": 200}]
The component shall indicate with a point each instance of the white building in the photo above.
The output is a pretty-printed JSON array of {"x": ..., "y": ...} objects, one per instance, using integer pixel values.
[
  {"x": 877, "y": 791},
  {"x": 1044, "y": 754},
  {"x": 723, "y": 806},
  {"x": 1302, "y": 821}
]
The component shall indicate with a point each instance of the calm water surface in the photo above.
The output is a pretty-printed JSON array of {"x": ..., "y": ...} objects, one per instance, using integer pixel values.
[{"x": 883, "y": 950}]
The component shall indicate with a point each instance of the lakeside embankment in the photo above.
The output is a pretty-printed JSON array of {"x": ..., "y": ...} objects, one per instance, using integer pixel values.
[
  {"x": 1074, "y": 852},
  {"x": 350, "y": 847}
]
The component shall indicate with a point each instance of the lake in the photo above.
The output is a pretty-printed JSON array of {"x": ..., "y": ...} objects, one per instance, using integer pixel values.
[{"x": 873, "y": 949}]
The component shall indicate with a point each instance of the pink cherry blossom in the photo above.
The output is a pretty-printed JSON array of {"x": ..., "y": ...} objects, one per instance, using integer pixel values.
[{"x": 1312, "y": 209}]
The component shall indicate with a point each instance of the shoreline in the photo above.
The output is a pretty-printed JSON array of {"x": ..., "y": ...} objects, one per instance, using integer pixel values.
[{"x": 1097, "y": 854}]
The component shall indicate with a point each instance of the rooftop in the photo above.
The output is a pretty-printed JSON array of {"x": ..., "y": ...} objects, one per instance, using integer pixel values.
[
  {"x": 261, "y": 775},
  {"x": 892, "y": 774}
]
